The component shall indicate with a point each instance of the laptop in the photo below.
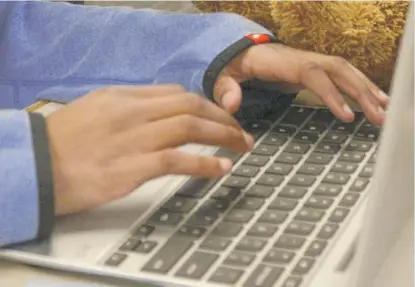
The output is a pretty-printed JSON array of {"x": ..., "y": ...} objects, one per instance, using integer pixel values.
[{"x": 317, "y": 202}]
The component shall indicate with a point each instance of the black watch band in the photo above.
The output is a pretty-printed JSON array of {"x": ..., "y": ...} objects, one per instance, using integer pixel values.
[{"x": 223, "y": 59}]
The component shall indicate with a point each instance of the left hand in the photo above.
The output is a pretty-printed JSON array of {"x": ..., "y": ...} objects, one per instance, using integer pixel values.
[{"x": 295, "y": 69}]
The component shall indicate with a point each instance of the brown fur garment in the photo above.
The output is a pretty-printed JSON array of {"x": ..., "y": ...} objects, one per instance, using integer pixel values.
[{"x": 365, "y": 33}]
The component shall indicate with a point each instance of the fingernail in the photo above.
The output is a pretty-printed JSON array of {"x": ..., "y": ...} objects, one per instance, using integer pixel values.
[
  {"x": 226, "y": 100},
  {"x": 249, "y": 140},
  {"x": 347, "y": 109},
  {"x": 382, "y": 94},
  {"x": 225, "y": 164}
]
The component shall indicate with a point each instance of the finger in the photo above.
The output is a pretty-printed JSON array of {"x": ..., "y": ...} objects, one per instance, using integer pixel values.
[
  {"x": 227, "y": 93},
  {"x": 378, "y": 93},
  {"x": 185, "y": 129},
  {"x": 184, "y": 104},
  {"x": 314, "y": 78},
  {"x": 176, "y": 162}
]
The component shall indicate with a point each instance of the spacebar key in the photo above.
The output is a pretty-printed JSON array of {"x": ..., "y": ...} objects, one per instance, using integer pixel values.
[{"x": 168, "y": 255}]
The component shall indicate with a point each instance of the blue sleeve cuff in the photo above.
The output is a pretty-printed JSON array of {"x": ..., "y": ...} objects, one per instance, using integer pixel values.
[{"x": 25, "y": 189}]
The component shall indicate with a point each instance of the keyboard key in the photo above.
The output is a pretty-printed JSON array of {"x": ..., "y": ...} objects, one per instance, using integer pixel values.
[
  {"x": 303, "y": 266},
  {"x": 270, "y": 179},
  {"x": 302, "y": 180},
  {"x": 263, "y": 230},
  {"x": 344, "y": 167},
  {"x": 299, "y": 148},
  {"x": 191, "y": 231},
  {"x": 273, "y": 217},
  {"x": 311, "y": 169},
  {"x": 367, "y": 171},
  {"x": 315, "y": 127},
  {"x": 144, "y": 230},
  {"x": 251, "y": 244},
  {"x": 264, "y": 276},
  {"x": 372, "y": 159},
  {"x": 336, "y": 178},
  {"x": 215, "y": 243},
  {"x": 250, "y": 203},
  {"x": 179, "y": 204},
  {"x": 226, "y": 194},
  {"x": 246, "y": 171},
  {"x": 197, "y": 265},
  {"x": 196, "y": 187},
  {"x": 256, "y": 160},
  {"x": 292, "y": 282},
  {"x": 166, "y": 218},
  {"x": 239, "y": 216},
  {"x": 338, "y": 215},
  {"x": 359, "y": 146},
  {"x": 280, "y": 168},
  {"x": 367, "y": 134},
  {"x": 115, "y": 259},
  {"x": 306, "y": 137},
  {"x": 352, "y": 156},
  {"x": 318, "y": 202},
  {"x": 279, "y": 256},
  {"x": 203, "y": 218},
  {"x": 327, "y": 231},
  {"x": 349, "y": 199},
  {"x": 344, "y": 127},
  {"x": 310, "y": 215},
  {"x": 328, "y": 190},
  {"x": 359, "y": 184},
  {"x": 226, "y": 229},
  {"x": 260, "y": 191},
  {"x": 294, "y": 192},
  {"x": 130, "y": 244},
  {"x": 266, "y": 150},
  {"x": 237, "y": 258},
  {"x": 288, "y": 158},
  {"x": 256, "y": 127},
  {"x": 283, "y": 129},
  {"x": 322, "y": 116},
  {"x": 146, "y": 247},
  {"x": 335, "y": 137},
  {"x": 283, "y": 204},
  {"x": 329, "y": 148},
  {"x": 236, "y": 182},
  {"x": 225, "y": 275},
  {"x": 299, "y": 228},
  {"x": 316, "y": 248},
  {"x": 168, "y": 255},
  {"x": 275, "y": 139},
  {"x": 319, "y": 158},
  {"x": 289, "y": 242}
]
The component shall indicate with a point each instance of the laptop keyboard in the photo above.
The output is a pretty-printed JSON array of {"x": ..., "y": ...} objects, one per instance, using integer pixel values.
[{"x": 270, "y": 221}]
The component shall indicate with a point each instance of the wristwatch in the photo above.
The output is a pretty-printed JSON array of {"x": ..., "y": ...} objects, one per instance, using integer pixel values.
[{"x": 223, "y": 59}]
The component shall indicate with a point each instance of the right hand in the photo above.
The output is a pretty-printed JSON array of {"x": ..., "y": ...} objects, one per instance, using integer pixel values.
[{"x": 109, "y": 142}]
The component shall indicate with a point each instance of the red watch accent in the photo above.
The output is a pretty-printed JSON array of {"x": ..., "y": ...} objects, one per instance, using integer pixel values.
[{"x": 259, "y": 38}]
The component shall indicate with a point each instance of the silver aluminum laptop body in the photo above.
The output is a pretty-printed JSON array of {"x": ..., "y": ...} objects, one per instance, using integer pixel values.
[{"x": 352, "y": 257}]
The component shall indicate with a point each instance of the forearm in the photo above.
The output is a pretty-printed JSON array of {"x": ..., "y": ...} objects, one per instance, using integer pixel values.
[{"x": 26, "y": 186}]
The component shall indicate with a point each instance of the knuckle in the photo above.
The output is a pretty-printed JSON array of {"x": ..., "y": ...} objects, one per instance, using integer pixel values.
[
  {"x": 194, "y": 102},
  {"x": 168, "y": 159},
  {"x": 339, "y": 62},
  {"x": 187, "y": 124},
  {"x": 108, "y": 90},
  {"x": 177, "y": 87},
  {"x": 310, "y": 66}
]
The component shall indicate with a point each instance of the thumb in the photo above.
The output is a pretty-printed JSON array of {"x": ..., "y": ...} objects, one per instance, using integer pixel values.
[{"x": 227, "y": 93}]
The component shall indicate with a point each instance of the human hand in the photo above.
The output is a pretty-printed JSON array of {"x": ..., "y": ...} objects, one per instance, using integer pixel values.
[
  {"x": 295, "y": 69},
  {"x": 111, "y": 141}
]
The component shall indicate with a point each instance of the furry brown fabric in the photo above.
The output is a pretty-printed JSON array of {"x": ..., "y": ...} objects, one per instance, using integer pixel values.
[{"x": 365, "y": 33}]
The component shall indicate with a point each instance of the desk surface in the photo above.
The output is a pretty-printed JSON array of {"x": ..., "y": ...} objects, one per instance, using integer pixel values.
[{"x": 17, "y": 275}]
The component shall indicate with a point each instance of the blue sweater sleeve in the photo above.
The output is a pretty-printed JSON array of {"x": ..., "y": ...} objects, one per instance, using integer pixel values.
[
  {"x": 58, "y": 51},
  {"x": 23, "y": 191}
]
